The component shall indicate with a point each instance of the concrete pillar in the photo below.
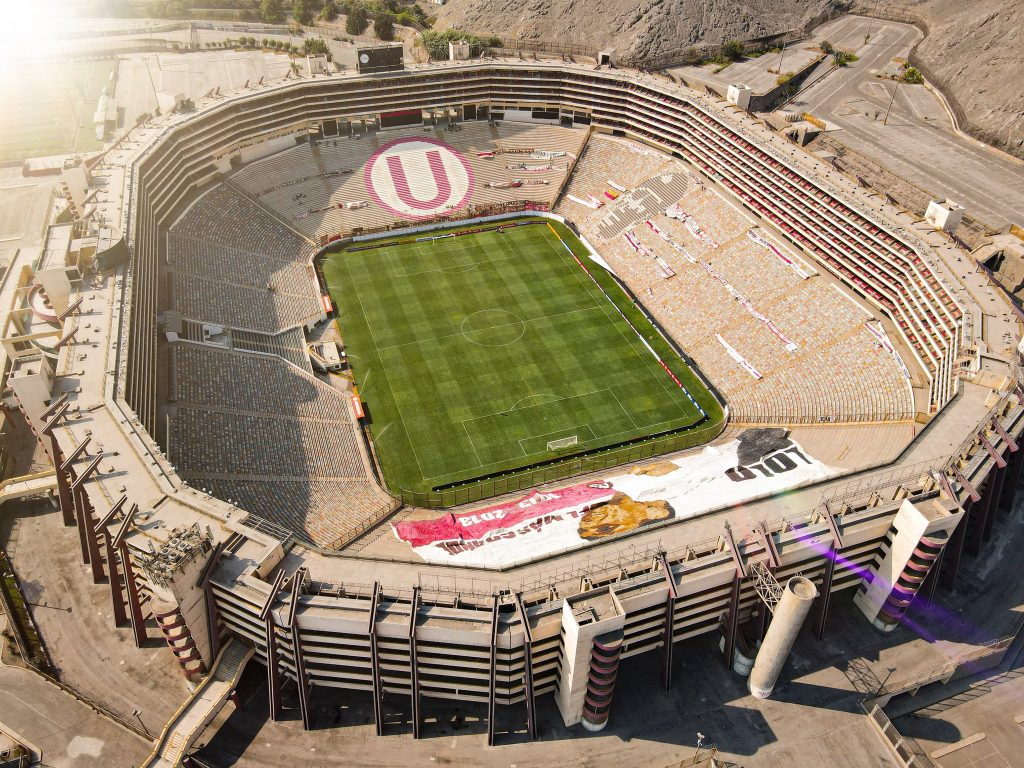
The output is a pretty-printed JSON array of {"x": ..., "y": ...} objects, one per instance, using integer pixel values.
[
  {"x": 792, "y": 609},
  {"x": 273, "y": 674},
  {"x": 492, "y": 704},
  {"x": 917, "y": 536},
  {"x": 528, "y": 691},
  {"x": 979, "y": 516},
  {"x": 414, "y": 673},
  {"x": 67, "y": 508},
  {"x": 135, "y": 615},
  {"x": 378, "y": 688},
  {"x": 995, "y": 493},
  {"x": 826, "y": 591},
  {"x": 1011, "y": 484},
  {"x": 592, "y": 631},
  {"x": 116, "y": 593},
  {"x": 954, "y": 550}
]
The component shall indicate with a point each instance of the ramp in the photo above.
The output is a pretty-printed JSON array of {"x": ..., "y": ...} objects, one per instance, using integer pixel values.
[
  {"x": 200, "y": 709},
  {"x": 27, "y": 485}
]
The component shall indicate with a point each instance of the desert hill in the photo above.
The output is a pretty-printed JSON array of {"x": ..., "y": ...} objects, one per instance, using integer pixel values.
[{"x": 974, "y": 50}]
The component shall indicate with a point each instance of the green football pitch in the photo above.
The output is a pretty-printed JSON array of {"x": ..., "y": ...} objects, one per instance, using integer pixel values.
[{"x": 473, "y": 354}]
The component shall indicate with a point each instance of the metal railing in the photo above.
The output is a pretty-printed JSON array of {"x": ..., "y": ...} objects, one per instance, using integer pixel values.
[
  {"x": 779, "y": 414},
  {"x": 905, "y": 749},
  {"x": 358, "y": 527},
  {"x": 703, "y": 755},
  {"x": 978, "y": 660},
  {"x": 285, "y": 535},
  {"x": 509, "y": 45}
]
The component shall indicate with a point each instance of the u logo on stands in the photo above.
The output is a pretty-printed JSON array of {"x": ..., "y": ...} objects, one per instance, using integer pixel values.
[{"x": 418, "y": 178}]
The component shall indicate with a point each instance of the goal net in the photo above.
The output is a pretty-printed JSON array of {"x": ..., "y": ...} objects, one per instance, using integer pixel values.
[{"x": 563, "y": 442}]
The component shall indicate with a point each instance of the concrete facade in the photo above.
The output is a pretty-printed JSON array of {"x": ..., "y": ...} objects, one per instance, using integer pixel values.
[
  {"x": 919, "y": 533},
  {"x": 354, "y": 623}
]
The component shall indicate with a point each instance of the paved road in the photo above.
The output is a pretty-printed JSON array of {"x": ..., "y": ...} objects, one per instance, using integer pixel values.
[
  {"x": 918, "y": 141},
  {"x": 68, "y": 607},
  {"x": 980, "y": 728},
  {"x": 69, "y": 733}
]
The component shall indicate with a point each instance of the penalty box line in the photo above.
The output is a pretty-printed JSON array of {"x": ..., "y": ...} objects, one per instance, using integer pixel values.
[{"x": 578, "y": 427}]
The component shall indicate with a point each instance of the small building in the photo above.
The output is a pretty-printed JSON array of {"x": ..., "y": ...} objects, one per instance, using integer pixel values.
[
  {"x": 459, "y": 51},
  {"x": 31, "y": 380},
  {"x": 105, "y": 116},
  {"x": 168, "y": 102},
  {"x": 13, "y": 754},
  {"x": 317, "y": 65},
  {"x": 739, "y": 95},
  {"x": 944, "y": 214},
  {"x": 326, "y": 356}
]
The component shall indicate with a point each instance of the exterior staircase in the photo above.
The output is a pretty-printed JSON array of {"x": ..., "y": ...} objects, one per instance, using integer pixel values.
[{"x": 200, "y": 709}]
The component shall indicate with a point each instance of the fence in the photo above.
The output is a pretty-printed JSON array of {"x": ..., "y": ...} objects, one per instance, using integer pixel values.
[
  {"x": 506, "y": 209},
  {"x": 906, "y": 750},
  {"x": 560, "y": 469},
  {"x": 537, "y": 46},
  {"x": 966, "y": 664}
]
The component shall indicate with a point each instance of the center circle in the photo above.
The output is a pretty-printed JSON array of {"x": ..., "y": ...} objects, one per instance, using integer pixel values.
[{"x": 493, "y": 328}]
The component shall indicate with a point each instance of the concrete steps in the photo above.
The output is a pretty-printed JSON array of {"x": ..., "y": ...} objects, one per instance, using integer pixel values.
[{"x": 204, "y": 704}]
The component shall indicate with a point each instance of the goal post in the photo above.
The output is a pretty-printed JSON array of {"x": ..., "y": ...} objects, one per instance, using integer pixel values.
[{"x": 563, "y": 442}]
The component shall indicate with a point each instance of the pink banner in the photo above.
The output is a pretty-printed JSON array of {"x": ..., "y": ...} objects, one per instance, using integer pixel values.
[
  {"x": 765, "y": 243},
  {"x": 479, "y": 523},
  {"x": 636, "y": 244},
  {"x": 675, "y": 212}
]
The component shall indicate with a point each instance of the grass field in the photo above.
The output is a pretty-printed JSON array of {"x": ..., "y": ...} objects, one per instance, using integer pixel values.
[
  {"x": 48, "y": 109},
  {"x": 472, "y": 353}
]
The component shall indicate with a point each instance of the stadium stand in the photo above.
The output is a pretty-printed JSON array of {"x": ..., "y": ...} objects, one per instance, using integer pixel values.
[
  {"x": 609, "y": 160},
  {"x": 843, "y": 239},
  {"x": 807, "y": 355},
  {"x": 874, "y": 257},
  {"x": 255, "y": 429},
  {"x": 233, "y": 265},
  {"x": 313, "y": 182},
  {"x": 289, "y": 344}
]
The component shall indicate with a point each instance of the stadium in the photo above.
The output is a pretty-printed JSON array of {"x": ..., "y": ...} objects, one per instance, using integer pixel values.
[{"x": 619, "y": 367}]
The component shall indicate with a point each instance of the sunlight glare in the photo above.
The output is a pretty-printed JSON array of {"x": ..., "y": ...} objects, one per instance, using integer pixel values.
[{"x": 35, "y": 30}]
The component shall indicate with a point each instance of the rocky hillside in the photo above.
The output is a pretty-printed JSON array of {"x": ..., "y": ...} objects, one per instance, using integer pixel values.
[
  {"x": 975, "y": 52},
  {"x": 646, "y": 28}
]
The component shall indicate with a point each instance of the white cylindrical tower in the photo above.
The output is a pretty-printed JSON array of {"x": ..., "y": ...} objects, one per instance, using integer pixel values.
[{"x": 788, "y": 618}]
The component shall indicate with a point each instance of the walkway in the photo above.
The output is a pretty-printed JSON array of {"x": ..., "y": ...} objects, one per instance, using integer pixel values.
[
  {"x": 196, "y": 713},
  {"x": 27, "y": 485},
  {"x": 67, "y": 732}
]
